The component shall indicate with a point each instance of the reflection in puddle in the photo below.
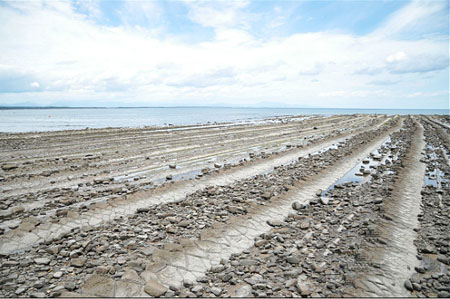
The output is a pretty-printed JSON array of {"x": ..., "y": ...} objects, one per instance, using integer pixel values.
[{"x": 360, "y": 173}]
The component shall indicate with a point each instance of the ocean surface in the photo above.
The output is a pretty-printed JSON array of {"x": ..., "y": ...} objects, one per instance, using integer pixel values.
[{"x": 53, "y": 119}]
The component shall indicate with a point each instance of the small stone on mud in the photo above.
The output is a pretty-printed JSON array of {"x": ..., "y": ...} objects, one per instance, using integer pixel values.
[{"x": 155, "y": 289}]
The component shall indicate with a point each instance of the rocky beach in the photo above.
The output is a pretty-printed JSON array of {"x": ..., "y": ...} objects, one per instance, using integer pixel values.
[{"x": 295, "y": 206}]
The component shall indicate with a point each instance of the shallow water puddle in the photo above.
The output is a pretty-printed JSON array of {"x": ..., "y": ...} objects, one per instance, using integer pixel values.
[{"x": 372, "y": 161}]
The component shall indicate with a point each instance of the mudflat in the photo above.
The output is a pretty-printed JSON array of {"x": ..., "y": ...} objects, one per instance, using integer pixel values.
[{"x": 348, "y": 205}]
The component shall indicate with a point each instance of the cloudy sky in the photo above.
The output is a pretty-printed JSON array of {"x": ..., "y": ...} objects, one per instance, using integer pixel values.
[{"x": 366, "y": 54}]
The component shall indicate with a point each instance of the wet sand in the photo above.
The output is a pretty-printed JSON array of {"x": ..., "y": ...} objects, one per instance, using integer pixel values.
[{"x": 292, "y": 206}]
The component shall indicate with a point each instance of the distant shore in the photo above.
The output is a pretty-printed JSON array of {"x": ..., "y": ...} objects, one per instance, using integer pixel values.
[{"x": 42, "y": 119}]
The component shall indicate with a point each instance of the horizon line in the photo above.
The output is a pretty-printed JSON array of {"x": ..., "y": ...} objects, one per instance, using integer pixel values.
[{"x": 12, "y": 107}]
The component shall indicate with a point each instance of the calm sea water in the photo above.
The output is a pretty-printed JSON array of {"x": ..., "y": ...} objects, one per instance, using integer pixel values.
[{"x": 28, "y": 120}]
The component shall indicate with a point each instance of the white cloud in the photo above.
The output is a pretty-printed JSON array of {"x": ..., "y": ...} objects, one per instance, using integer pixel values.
[
  {"x": 35, "y": 84},
  {"x": 417, "y": 16},
  {"x": 69, "y": 57},
  {"x": 399, "y": 56}
]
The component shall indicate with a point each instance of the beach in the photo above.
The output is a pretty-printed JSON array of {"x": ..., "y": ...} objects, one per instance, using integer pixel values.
[{"x": 304, "y": 206}]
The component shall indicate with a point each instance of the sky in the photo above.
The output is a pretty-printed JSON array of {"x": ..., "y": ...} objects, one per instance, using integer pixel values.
[{"x": 346, "y": 54}]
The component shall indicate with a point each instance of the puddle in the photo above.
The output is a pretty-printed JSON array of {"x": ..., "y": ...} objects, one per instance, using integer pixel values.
[{"x": 361, "y": 172}]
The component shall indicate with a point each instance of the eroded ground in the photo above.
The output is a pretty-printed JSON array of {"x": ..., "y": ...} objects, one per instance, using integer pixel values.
[{"x": 351, "y": 205}]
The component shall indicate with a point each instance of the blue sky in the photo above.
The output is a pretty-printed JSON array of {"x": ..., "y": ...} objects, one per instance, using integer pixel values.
[{"x": 367, "y": 54}]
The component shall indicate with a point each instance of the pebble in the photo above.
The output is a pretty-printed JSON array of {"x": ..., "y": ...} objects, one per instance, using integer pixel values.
[
  {"x": 216, "y": 291},
  {"x": 42, "y": 261},
  {"x": 155, "y": 289}
]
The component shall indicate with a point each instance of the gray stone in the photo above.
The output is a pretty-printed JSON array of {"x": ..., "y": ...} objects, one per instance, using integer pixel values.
[
  {"x": 78, "y": 262},
  {"x": 274, "y": 222},
  {"x": 57, "y": 274},
  {"x": 184, "y": 223},
  {"x": 241, "y": 290},
  {"x": 197, "y": 289},
  {"x": 416, "y": 286},
  {"x": 20, "y": 290},
  {"x": 408, "y": 285},
  {"x": 9, "y": 166},
  {"x": 155, "y": 289},
  {"x": 290, "y": 283},
  {"x": 324, "y": 200},
  {"x": 42, "y": 261},
  {"x": 444, "y": 294},
  {"x": 37, "y": 295},
  {"x": 266, "y": 195},
  {"x": 378, "y": 200},
  {"x": 70, "y": 285},
  {"x": 419, "y": 269},
  {"x": 216, "y": 291},
  {"x": 187, "y": 283},
  {"x": 293, "y": 259}
]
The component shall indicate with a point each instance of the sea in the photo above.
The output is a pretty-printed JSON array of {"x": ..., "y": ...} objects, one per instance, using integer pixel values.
[{"x": 15, "y": 120}]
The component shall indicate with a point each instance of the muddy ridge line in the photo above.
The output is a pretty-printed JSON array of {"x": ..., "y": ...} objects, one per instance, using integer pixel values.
[{"x": 348, "y": 205}]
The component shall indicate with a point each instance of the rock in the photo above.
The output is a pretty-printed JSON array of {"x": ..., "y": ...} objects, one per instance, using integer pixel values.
[
  {"x": 428, "y": 249},
  {"x": 78, "y": 262},
  {"x": 37, "y": 295},
  {"x": 260, "y": 243},
  {"x": 142, "y": 210},
  {"x": 17, "y": 210},
  {"x": 324, "y": 200},
  {"x": 416, "y": 286},
  {"x": 171, "y": 229},
  {"x": 303, "y": 288},
  {"x": 205, "y": 170},
  {"x": 98, "y": 286},
  {"x": 242, "y": 290},
  {"x": 378, "y": 200},
  {"x": 290, "y": 283},
  {"x": 155, "y": 289},
  {"x": 9, "y": 166},
  {"x": 217, "y": 165},
  {"x": 187, "y": 283},
  {"x": 197, "y": 289},
  {"x": 293, "y": 259},
  {"x": 274, "y": 222},
  {"x": 70, "y": 285},
  {"x": 444, "y": 294},
  {"x": 248, "y": 262},
  {"x": 173, "y": 166},
  {"x": 443, "y": 259},
  {"x": 304, "y": 225},
  {"x": 408, "y": 285},
  {"x": 132, "y": 275},
  {"x": 298, "y": 206},
  {"x": 57, "y": 274},
  {"x": 319, "y": 193},
  {"x": 20, "y": 290},
  {"x": 42, "y": 261},
  {"x": 184, "y": 223},
  {"x": 169, "y": 177},
  {"x": 266, "y": 195},
  {"x": 216, "y": 291},
  {"x": 217, "y": 269},
  {"x": 419, "y": 269}
]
